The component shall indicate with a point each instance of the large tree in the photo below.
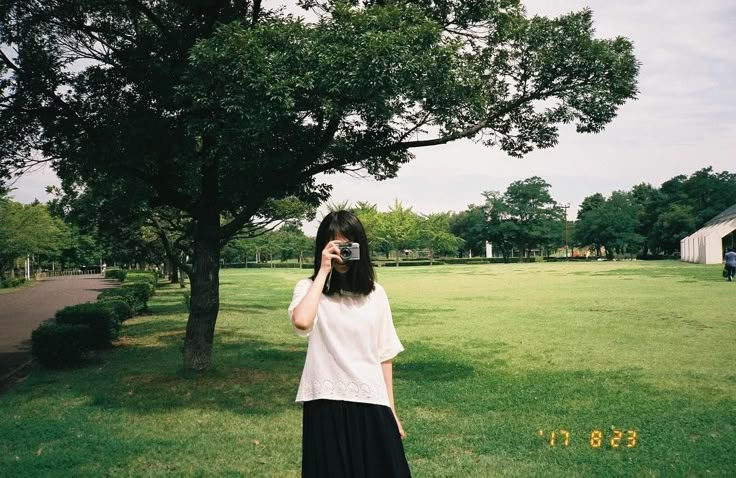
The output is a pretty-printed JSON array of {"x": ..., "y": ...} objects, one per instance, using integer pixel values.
[
  {"x": 225, "y": 110},
  {"x": 470, "y": 226},
  {"x": 538, "y": 219},
  {"x": 612, "y": 225},
  {"x": 433, "y": 233},
  {"x": 396, "y": 230},
  {"x": 501, "y": 229}
]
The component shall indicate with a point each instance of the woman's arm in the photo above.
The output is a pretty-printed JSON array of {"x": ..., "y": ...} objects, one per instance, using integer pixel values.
[
  {"x": 387, "y": 369},
  {"x": 304, "y": 313}
]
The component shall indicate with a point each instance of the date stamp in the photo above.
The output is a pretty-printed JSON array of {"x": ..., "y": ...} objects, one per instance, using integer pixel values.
[{"x": 596, "y": 438}]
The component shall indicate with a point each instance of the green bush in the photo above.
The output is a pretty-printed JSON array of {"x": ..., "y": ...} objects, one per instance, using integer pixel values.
[
  {"x": 60, "y": 345},
  {"x": 104, "y": 327},
  {"x": 274, "y": 265},
  {"x": 150, "y": 287},
  {"x": 120, "y": 309},
  {"x": 142, "y": 291},
  {"x": 13, "y": 282},
  {"x": 143, "y": 276},
  {"x": 411, "y": 263},
  {"x": 115, "y": 273},
  {"x": 125, "y": 294}
]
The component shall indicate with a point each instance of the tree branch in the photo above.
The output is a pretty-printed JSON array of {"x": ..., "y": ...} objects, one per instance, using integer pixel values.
[
  {"x": 229, "y": 230},
  {"x": 148, "y": 13}
]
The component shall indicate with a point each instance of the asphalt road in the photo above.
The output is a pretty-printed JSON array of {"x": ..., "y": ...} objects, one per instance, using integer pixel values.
[{"x": 23, "y": 310}]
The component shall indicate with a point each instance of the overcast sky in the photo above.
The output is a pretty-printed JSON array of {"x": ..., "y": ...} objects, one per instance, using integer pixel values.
[{"x": 684, "y": 120}]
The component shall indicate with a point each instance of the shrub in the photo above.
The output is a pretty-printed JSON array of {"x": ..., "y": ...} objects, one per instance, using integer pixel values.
[
  {"x": 143, "y": 276},
  {"x": 59, "y": 345},
  {"x": 274, "y": 265},
  {"x": 104, "y": 327},
  {"x": 120, "y": 309},
  {"x": 13, "y": 282},
  {"x": 115, "y": 273},
  {"x": 125, "y": 294},
  {"x": 142, "y": 291}
]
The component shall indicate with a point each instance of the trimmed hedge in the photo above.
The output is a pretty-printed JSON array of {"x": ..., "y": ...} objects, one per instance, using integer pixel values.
[
  {"x": 410, "y": 264},
  {"x": 60, "y": 345},
  {"x": 143, "y": 276},
  {"x": 126, "y": 295},
  {"x": 265, "y": 265},
  {"x": 120, "y": 309},
  {"x": 92, "y": 325},
  {"x": 456, "y": 260},
  {"x": 142, "y": 291},
  {"x": 115, "y": 273},
  {"x": 104, "y": 327}
]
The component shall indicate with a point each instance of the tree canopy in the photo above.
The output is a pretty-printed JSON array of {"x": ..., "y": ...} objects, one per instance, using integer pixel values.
[
  {"x": 29, "y": 229},
  {"x": 226, "y": 111}
]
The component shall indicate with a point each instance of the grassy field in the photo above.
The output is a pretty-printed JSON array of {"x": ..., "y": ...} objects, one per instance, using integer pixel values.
[{"x": 498, "y": 357}]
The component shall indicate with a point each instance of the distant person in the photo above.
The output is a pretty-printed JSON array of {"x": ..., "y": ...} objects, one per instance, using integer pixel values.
[
  {"x": 349, "y": 423},
  {"x": 730, "y": 264},
  {"x": 103, "y": 268}
]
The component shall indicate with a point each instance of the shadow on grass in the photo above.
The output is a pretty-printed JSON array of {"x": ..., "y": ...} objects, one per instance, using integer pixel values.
[
  {"x": 412, "y": 311},
  {"x": 169, "y": 307},
  {"x": 425, "y": 363},
  {"x": 460, "y": 403},
  {"x": 250, "y": 377},
  {"x": 173, "y": 304},
  {"x": 687, "y": 273},
  {"x": 250, "y": 308}
]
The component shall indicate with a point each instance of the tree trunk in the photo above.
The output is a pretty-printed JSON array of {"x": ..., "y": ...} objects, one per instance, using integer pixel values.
[
  {"x": 205, "y": 297},
  {"x": 204, "y": 277}
]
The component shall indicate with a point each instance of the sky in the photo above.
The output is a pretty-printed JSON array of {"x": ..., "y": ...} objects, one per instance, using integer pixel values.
[{"x": 683, "y": 120}]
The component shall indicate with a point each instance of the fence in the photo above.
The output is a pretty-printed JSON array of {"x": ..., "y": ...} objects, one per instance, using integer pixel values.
[{"x": 70, "y": 272}]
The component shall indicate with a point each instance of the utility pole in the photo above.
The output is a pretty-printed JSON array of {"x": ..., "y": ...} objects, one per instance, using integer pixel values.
[{"x": 566, "y": 207}]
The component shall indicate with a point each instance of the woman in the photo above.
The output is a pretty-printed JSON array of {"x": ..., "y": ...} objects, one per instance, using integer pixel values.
[{"x": 349, "y": 424}]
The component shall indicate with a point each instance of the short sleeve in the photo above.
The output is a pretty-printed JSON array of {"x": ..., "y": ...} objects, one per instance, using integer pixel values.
[
  {"x": 389, "y": 344},
  {"x": 300, "y": 290}
]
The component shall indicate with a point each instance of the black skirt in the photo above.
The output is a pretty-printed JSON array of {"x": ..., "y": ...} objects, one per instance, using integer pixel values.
[{"x": 344, "y": 439}]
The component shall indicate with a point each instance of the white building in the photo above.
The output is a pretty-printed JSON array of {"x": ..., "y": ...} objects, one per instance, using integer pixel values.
[{"x": 704, "y": 246}]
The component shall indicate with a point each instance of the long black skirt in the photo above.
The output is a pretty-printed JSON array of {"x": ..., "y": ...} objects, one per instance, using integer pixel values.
[{"x": 344, "y": 439}]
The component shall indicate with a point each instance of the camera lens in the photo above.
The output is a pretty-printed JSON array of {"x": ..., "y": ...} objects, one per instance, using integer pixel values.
[{"x": 346, "y": 252}]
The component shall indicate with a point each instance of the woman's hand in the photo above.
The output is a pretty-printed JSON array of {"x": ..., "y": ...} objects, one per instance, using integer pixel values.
[
  {"x": 401, "y": 429},
  {"x": 330, "y": 252}
]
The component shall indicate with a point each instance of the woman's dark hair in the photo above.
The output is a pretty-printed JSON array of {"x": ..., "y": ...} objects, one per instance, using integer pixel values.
[{"x": 360, "y": 276}]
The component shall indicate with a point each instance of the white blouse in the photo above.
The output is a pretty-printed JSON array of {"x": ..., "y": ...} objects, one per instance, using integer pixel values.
[{"x": 350, "y": 337}]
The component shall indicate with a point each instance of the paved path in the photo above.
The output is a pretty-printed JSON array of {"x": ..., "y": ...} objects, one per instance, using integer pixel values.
[{"x": 21, "y": 312}]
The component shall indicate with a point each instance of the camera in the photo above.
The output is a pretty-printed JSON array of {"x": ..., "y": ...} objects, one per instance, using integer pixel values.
[{"x": 349, "y": 251}]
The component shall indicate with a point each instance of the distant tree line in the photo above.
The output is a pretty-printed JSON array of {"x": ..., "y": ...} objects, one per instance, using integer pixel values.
[
  {"x": 78, "y": 228},
  {"x": 646, "y": 221},
  {"x": 652, "y": 221},
  {"x": 30, "y": 231}
]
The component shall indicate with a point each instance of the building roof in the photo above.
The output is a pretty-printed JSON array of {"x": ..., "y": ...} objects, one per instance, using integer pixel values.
[{"x": 726, "y": 215}]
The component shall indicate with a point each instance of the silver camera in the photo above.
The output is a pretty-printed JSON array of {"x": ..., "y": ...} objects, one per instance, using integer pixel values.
[{"x": 349, "y": 251}]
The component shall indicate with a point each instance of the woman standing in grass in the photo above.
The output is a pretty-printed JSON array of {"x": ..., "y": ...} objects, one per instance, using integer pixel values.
[{"x": 349, "y": 424}]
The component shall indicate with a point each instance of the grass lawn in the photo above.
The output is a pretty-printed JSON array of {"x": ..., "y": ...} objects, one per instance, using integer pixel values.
[{"x": 498, "y": 357}]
